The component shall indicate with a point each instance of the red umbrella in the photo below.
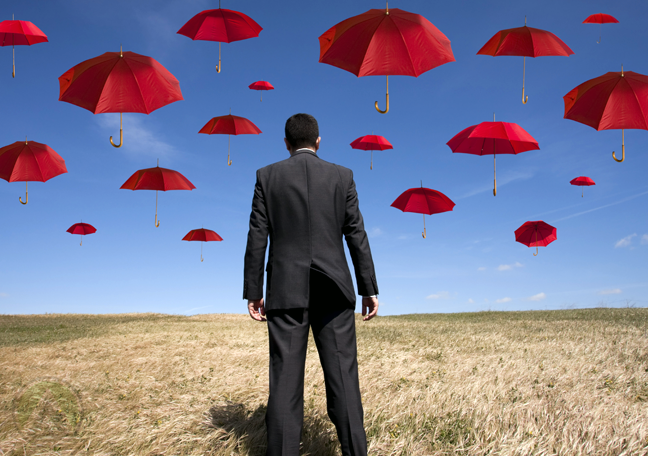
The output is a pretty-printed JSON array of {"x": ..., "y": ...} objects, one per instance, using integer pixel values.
[
  {"x": 527, "y": 42},
  {"x": 493, "y": 138},
  {"x": 371, "y": 142},
  {"x": 230, "y": 125},
  {"x": 119, "y": 82},
  {"x": 202, "y": 235},
  {"x": 261, "y": 85},
  {"x": 610, "y": 102},
  {"x": 25, "y": 161},
  {"x": 385, "y": 42},
  {"x": 600, "y": 19},
  {"x": 423, "y": 201},
  {"x": 157, "y": 179},
  {"x": 582, "y": 181},
  {"x": 82, "y": 229},
  {"x": 220, "y": 25},
  {"x": 535, "y": 234},
  {"x": 19, "y": 33}
]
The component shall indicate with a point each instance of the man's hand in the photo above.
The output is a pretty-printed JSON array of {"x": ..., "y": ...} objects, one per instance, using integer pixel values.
[
  {"x": 256, "y": 309},
  {"x": 370, "y": 304}
]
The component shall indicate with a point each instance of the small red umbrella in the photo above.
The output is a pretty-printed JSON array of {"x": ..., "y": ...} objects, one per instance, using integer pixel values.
[
  {"x": 582, "y": 181},
  {"x": 423, "y": 201},
  {"x": 19, "y": 33},
  {"x": 493, "y": 138},
  {"x": 220, "y": 25},
  {"x": 202, "y": 235},
  {"x": 601, "y": 19},
  {"x": 82, "y": 229},
  {"x": 25, "y": 161},
  {"x": 611, "y": 102},
  {"x": 535, "y": 234},
  {"x": 385, "y": 42},
  {"x": 261, "y": 85},
  {"x": 371, "y": 142},
  {"x": 119, "y": 82},
  {"x": 230, "y": 125},
  {"x": 525, "y": 42},
  {"x": 157, "y": 178}
]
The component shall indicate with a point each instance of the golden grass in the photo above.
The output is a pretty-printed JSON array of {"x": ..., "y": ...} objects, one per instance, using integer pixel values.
[{"x": 519, "y": 383}]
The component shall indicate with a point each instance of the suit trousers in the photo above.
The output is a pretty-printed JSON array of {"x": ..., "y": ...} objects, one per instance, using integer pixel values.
[{"x": 331, "y": 317}]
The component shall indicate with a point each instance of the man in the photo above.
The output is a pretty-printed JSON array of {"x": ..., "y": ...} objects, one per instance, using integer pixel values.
[{"x": 305, "y": 205}]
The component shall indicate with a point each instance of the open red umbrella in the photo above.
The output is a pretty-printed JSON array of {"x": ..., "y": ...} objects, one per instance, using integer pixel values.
[
  {"x": 582, "y": 181},
  {"x": 82, "y": 229},
  {"x": 14, "y": 33},
  {"x": 25, "y": 161},
  {"x": 601, "y": 19},
  {"x": 119, "y": 82},
  {"x": 202, "y": 235},
  {"x": 157, "y": 178},
  {"x": 526, "y": 42},
  {"x": 493, "y": 138},
  {"x": 371, "y": 142},
  {"x": 611, "y": 102},
  {"x": 535, "y": 234},
  {"x": 261, "y": 85},
  {"x": 229, "y": 125},
  {"x": 385, "y": 42},
  {"x": 423, "y": 201},
  {"x": 220, "y": 25}
]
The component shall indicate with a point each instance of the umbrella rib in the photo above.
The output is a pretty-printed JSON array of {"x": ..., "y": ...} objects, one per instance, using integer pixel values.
[
  {"x": 639, "y": 104},
  {"x": 138, "y": 87},
  {"x": 409, "y": 55}
]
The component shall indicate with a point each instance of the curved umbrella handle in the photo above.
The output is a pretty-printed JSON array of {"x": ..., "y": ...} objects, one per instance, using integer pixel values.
[
  {"x": 622, "y": 149},
  {"x": 219, "y": 67},
  {"x": 26, "y": 196},
  {"x": 387, "y": 100},
  {"x": 121, "y": 134}
]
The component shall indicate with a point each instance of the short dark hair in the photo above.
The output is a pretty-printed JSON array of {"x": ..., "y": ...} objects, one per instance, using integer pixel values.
[{"x": 302, "y": 130}]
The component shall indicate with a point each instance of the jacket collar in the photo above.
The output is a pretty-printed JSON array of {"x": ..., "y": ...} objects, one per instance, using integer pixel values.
[{"x": 303, "y": 151}]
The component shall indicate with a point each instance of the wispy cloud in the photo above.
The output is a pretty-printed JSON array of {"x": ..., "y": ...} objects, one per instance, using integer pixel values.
[
  {"x": 508, "y": 267},
  {"x": 140, "y": 141},
  {"x": 440, "y": 295},
  {"x": 625, "y": 242},
  {"x": 4, "y": 295},
  {"x": 602, "y": 207},
  {"x": 505, "y": 179},
  {"x": 470, "y": 301},
  {"x": 644, "y": 239},
  {"x": 503, "y": 300},
  {"x": 609, "y": 292},
  {"x": 481, "y": 268},
  {"x": 537, "y": 297},
  {"x": 375, "y": 232}
]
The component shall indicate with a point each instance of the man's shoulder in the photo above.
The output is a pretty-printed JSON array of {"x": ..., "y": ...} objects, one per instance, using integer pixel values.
[{"x": 278, "y": 166}]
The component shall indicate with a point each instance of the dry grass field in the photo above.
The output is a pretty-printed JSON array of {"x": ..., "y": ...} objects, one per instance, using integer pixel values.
[{"x": 572, "y": 382}]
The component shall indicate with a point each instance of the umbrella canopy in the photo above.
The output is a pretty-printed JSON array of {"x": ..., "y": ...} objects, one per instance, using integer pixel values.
[
  {"x": 261, "y": 85},
  {"x": 423, "y": 201},
  {"x": 385, "y": 42},
  {"x": 119, "y": 82},
  {"x": 202, "y": 235},
  {"x": 582, "y": 181},
  {"x": 22, "y": 33},
  {"x": 535, "y": 234},
  {"x": 25, "y": 161},
  {"x": 610, "y": 102},
  {"x": 220, "y": 25},
  {"x": 157, "y": 178},
  {"x": 230, "y": 125},
  {"x": 82, "y": 229},
  {"x": 525, "y": 42},
  {"x": 493, "y": 138},
  {"x": 600, "y": 19},
  {"x": 371, "y": 142}
]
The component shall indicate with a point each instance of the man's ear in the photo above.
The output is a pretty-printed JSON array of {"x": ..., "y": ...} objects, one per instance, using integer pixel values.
[{"x": 317, "y": 143}]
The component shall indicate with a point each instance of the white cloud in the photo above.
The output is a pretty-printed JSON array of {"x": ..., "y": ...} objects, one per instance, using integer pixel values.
[
  {"x": 441, "y": 295},
  {"x": 470, "y": 301},
  {"x": 644, "y": 239},
  {"x": 625, "y": 242},
  {"x": 138, "y": 140},
  {"x": 374, "y": 232},
  {"x": 609, "y": 292},
  {"x": 507, "y": 267},
  {"x": 4, "y": 295},
  {"x": 537, "y": 297},
  {"x": 481, "y": 268},
  {"x": 503, "y": 300}
]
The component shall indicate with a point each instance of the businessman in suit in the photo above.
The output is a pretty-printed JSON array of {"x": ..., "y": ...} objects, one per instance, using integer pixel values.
[{"x": 306, "y": 206}]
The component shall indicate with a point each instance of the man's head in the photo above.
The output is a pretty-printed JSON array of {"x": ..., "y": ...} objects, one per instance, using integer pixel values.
[{"x": 302, "y": 132}]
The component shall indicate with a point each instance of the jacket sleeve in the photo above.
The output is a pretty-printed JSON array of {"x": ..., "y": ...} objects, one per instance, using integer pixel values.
[
  {"x": 257, "y": 242},
  {"x": 358, "y": 244}
]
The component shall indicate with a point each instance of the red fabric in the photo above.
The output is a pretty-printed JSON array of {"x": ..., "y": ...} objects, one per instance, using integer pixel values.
[
  {"x": 491, "y": 138},
  {"x": 157, "y": 179},
  {"x": 582, "y": 181},
  {"x": 261, "y": 85},
  {"x": 110, "y": 83},
  {"x": 202, "y": 234},
  {"x": 376, "y": 43},
  {"x": 525, "y": 41},
  {"x": 230, "y": 125},
  {"x": 371, "y": 142},
  {"x": 526, "y": 234},
  {"x": 20, "y": 33},
  {"x": 600, "y": 19},
  {"x": 82, "y": 229},
  {"x": 30, "y": 161},
  {"x": 611, "y": 101},
  {"x": 423, "y": 201},
  {"x": 220, "y": 25}
]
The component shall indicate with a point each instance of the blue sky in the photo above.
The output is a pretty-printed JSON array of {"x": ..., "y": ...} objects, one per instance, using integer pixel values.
[{"x": 469, "y": 261}]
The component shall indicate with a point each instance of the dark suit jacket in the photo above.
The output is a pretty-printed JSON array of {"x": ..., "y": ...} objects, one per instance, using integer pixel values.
[{"x": 305, "y": 205}]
